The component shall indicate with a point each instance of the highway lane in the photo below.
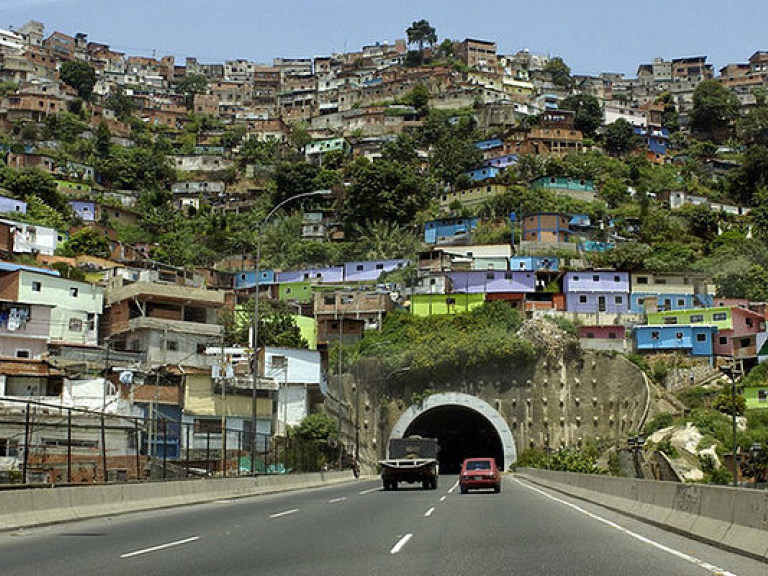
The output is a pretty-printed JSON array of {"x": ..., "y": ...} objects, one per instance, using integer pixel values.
[{"x": 358, "y": 529}]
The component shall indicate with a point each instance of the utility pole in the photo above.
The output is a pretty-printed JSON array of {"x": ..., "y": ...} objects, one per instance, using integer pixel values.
[{"x": 223, "y": 384}]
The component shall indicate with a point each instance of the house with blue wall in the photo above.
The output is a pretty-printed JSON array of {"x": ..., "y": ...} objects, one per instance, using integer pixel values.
[
  {"x": 247, "y": 279},
  {"x": 578, "y": 188},
  {"x": 534, "y": 263},
  {"x": 501, "y": 162},
  {"x": 480, "y": 174},
  {"x": 696, "y": 340},
  {"x": 592, "y": 291},
  {"x": 329, "y": 275},
  {"x": 448, "y": 230},
  {"x": 12, "y": 206},
  {"x": 598, "y": 246},
  {"x": 85, "y": 210},
  {"x": 492, "y": 281},
  {"x": 489, "y": 144},
  {"x": 369, "y": 271},
  {"x": 642, "y": 302}
]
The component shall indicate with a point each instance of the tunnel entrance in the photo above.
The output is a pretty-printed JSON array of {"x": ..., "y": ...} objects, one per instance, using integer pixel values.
[
  {"x": 465, "y": 426},
  {"x": 461, "y": 433}
]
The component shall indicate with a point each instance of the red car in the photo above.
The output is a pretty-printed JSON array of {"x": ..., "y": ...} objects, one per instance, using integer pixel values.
[{"x": 479, "y": 473}]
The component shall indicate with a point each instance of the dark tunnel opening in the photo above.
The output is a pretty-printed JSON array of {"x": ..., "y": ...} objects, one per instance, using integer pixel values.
[{"x": 461, "y": 433}]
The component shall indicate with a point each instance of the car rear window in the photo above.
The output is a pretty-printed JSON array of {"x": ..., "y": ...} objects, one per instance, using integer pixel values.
[{"x": 479, "y": 465}]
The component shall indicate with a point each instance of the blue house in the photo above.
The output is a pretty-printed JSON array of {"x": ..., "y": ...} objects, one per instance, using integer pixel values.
[
  {"x": 534, "y": 263},
  {"x": 501, "y": 162},
  {"x": 370, "y": 270},
  {"x": 11, "y": 205},
  {"x": 481, "y": 174},
  {"x": 592, "y": 291},
  {"x": 85, "y": 210},
  {"x": 247, "y": 279},
  {"x": 697, "y": 339},
  {"x": 580, "y": 221},
  {"x": 641, "y": 302},
  {"x": 447, "y": 230},
  {"x": 489, "y": 144},
  {"x": 331, "y": 274},
  {"x": 596, "y": 246}
]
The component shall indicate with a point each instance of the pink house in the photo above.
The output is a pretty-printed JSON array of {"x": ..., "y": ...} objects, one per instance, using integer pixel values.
[
  {"x": 606, "y": 337},
  {"x": 740, "y": 341}
]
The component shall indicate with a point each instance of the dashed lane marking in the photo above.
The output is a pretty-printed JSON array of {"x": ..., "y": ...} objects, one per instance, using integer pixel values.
[
  {"x": 403, "y": 541},
  {"x": 335, "y": 500},
  {"x": 364, "y": 492},
  {"x": 160, "y": 547},
  {"x": 429, "y": 512},
  {"x": 286, "y": 513}
]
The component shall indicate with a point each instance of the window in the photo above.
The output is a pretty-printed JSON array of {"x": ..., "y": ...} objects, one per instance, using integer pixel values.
[
  {"x": 596, "y": 278},
  {"x": 172, "y": 345},
  {"x": 619, "y": 299},
  {"x": 679, "y": 335},
  {"x": 719, "y": 316},
  {"x": 745, "y": 342},
  {"x": 75, "y": 325},
  {"x": 762, "y": 396},
  {"x": 590, "y": 334},
  {"x": 642, "y": 280},
  {"x": 697, "y": 318},
  {"x": 612, "y": 335},
  {"x": 680, "y": 302},
  {"x": 9, "y": 447},
  {"x": 23, "y": 353},
  {"x": 278, "y": 362},
  {"x": 73, "y": 292},
  {"x": 359, "y": 268},
  {"x": 617, "y": 278},
  {"x": 723, "y": 340},
  {"x": 329, "y": 300},
  {"x": 582, "y": 299},
  {"x": 655, "y": 335},
  {"x": 489, "y": 276},
  {"x": 37, "y": 287},
  {"x": 670, "y": 320},
  {"x": 212, "y": 426},
  {"x": 507, "y": 275},
  {"x": 575, "y": 278},
  {"x": 701, "y": 337},
  {"x": 749, "y": 322},
  {"x": 379, "y": 266}
]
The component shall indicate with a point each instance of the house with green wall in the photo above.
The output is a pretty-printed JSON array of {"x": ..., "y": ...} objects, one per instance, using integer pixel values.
[
  {"x": 756, "y": 396},
  {"x": 722, "y": 317},
  {"x": 437, "y": 304}
]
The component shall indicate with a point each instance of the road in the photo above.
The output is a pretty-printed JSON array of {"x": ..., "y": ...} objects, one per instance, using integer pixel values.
[{"x": 357, "y": 529}]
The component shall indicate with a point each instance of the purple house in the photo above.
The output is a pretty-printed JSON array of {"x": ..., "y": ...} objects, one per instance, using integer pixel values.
[
  {"x": 591, "y": 291},
  {"x": 11, "y": 205},
  {"x": 492, "y": 281},
  {"x": 370, "y": 270},
  {"x": 328, "y": 275},
  {"x": 85, "y": 210}
]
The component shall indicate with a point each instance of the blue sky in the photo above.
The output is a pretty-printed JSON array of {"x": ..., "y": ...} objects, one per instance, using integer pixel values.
[{"x": 592, "y": 36}]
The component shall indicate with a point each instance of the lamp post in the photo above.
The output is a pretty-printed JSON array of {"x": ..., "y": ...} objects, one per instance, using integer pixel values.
[{"x": 255, "y": 328}]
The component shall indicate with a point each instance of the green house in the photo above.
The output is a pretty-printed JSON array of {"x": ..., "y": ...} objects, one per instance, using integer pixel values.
[
  {"x": 720, "y": 317},
  {"x": 296, "y": 291},
  {"x": 436, "y": 304},
  {"x": 756, "y": 397}
]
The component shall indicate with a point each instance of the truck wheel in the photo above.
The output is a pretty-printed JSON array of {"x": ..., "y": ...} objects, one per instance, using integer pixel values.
[
  {"x": 426, "y": 484},
  {"x": 497, "y": 488},
  {"x": 386, "y": 485},
  {"x": 463, "y": 489},
  {"x": 433, "y": 484}
]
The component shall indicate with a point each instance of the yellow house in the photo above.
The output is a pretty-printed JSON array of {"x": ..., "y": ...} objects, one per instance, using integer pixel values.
[{"x": 473, "y": 195}]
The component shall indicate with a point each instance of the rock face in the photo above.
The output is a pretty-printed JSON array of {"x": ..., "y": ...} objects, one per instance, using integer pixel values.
[{"x": 566, "y": 397}]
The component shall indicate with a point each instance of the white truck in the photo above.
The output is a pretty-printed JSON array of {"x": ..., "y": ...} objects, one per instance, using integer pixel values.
[{"x": 412, "y": 459}]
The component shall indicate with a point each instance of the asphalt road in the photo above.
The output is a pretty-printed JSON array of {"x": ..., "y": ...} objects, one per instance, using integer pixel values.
[{"x": 357, "y": 529}]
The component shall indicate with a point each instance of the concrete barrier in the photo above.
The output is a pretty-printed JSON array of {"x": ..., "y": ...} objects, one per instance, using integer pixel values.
[
  {"x": 40, "y": 506},
  {"x": 732, "y": 518}
]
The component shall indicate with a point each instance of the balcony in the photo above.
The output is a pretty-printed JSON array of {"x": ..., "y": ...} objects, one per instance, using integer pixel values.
[
  {"x": 162, "y": 324},
  {"x": 165, "y": 293}
]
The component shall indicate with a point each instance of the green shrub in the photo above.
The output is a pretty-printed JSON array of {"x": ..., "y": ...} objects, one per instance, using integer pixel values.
[{"x": 663, "y": 420}]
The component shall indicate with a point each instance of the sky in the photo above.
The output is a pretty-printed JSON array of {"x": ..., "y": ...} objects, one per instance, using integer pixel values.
[{"x": 592, "y": 36}]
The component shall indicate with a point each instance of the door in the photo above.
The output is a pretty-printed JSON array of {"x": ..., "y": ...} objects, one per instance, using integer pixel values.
[{"x": 601, "y": 303}]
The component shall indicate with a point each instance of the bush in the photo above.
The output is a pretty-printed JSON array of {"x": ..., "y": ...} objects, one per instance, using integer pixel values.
[{"x": 663, "y": 420}]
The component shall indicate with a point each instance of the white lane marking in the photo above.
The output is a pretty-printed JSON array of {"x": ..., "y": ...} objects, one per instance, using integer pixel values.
[
  {"x": 399, "y": 545},
  {"x": 279, "y": 514},
  {"x": 442, "y": 498},
  {"x": 429, "y": 512},
  {"x": 682, "y": 555},
  {"x": 453, "y": 487},
  {"x": 371, "y": 490},
  {"x": 334, "y": 500},
  {"x": 160, "y": 547}
]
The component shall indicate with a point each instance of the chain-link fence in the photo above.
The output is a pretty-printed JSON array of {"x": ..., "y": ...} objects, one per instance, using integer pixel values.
[{"x": 42, "y": 443}]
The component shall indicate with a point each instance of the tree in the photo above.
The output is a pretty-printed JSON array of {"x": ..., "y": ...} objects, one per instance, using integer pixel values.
[
  {"x": 120, "y": 103},
  {"x": 418, "y": 98},
  {"x": 452, "y": 156},
  {"x": 316, "y": 427},
  {"x": 588, "y": 113},
  {"x": 559, "y": 71},
  {"x": 714, "y": 108},
  {"x": 619, "y": 138},
  {"x": 669, "y": 117},
  {"x": 421, "y": 33},
  {"x": 190, "y": 85},
  {"x": 86, "y": 241},
  {"x": 80, "y": 75},
  {"x": 293, "y": 178},
  {"x": 34, "y": 182}
]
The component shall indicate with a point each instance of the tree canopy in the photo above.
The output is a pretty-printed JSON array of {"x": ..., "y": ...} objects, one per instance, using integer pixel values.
[{"x": 80, "y": 75}]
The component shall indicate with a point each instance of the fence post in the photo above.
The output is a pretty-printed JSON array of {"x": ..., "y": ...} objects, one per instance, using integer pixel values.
[
  {"x": 104, "y": 450},
  {"x": 137, "y": 441},
  {"x": 207, "y": 452},
  {"x": 25, "y": 463},
  {"x": 186, "y": 449},
  {"x": 165, "y": 449},
  {"x": 69, "y": 445}
]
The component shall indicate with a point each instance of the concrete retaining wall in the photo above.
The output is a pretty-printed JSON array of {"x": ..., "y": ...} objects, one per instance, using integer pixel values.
[
  {"x": 733, "y": 518},
  {"x": 39, "y": 506}
]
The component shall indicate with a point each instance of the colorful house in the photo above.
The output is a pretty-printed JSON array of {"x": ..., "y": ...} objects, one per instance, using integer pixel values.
[
  {"x": 756, "y": 396},
  {"x": 329, "y": 275},
  {"x": 643, "y": 302},
  {"x": 501, "y": 162},
  {"x": 369, "y": 271},
  {"x": 439, "y": 304},
  {"x": 481, "y": 174},
  {"x": 604, "y": 337},
  {"x": 546, "y": 227},
  {"x": 247, "y": 279},
  {"x": 12, "y": 205},
  {"x": 534, "y": 263},
  {"x": 697, "y": 340},
  {"x": 578, "y": 188},
  {"x": 591, "y": 291},
  {"x": 448, "y": 230},
  {"x": 492, "y": 281}
]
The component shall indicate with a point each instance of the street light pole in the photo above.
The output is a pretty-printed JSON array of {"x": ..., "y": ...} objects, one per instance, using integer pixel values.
[{"x": 255, "y": 367}]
